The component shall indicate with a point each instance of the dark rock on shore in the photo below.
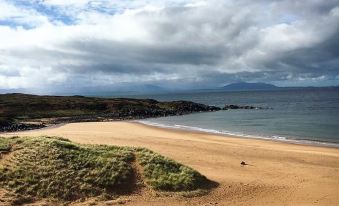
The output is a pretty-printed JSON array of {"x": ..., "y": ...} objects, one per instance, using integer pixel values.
[
  {"x": 12, "y": 127},
  {"x": 232, "y": 106}
]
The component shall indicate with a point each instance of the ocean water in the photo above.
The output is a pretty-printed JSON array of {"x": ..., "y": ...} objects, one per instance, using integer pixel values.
[{"x": 303, "y": 115}]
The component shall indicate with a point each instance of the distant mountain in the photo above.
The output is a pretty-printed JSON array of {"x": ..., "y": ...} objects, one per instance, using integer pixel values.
[{"x": 244, "y": 86}]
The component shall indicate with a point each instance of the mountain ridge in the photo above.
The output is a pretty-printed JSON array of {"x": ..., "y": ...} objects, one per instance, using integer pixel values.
[{"x": 245, "y": 86}]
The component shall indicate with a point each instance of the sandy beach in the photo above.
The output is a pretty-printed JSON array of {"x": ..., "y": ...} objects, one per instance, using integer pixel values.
[{"x": 278, "y": 173}]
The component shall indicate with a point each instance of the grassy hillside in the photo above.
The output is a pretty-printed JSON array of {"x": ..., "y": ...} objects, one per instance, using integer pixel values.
[
  {"x": 15, "y": 108},
  {"x": 52, "y": 167}
]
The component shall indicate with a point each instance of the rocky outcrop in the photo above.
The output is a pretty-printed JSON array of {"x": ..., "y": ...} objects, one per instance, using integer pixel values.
[
  {"x": 233, "y": 106},
  {"x": 12, "y": 127}
]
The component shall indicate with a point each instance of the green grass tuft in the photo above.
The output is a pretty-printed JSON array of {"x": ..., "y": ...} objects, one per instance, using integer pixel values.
[
  {"x": 165, "y": 174},
  {"x": 5, "y": 145}
]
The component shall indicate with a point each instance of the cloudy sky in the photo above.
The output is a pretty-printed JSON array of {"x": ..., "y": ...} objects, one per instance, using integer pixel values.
[{"x": 74, "y": 45}]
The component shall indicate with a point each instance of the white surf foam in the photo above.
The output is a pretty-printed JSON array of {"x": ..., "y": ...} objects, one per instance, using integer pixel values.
[{"x": 237, "y": 134}]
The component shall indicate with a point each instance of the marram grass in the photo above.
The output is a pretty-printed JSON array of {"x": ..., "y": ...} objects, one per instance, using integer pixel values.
[{"x": 53, "y": 167}]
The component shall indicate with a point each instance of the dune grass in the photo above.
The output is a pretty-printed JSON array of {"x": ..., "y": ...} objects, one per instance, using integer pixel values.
[
  {"x": 50, "y": 167},
  {"x": 165, "y": 174},
  {"x": 53, "y": 167}
]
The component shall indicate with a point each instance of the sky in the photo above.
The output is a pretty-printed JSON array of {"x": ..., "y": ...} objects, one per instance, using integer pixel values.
[{"x": 49, "y": 46}]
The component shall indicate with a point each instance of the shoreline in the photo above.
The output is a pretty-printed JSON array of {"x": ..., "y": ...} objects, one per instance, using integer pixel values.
[
  {"x": 225, "y": 137},
  {"x": 144, "y": 122},
  {"x": 304, "y": 142}
]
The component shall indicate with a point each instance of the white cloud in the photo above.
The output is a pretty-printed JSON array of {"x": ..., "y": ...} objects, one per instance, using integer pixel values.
[
  {"x": 163, "y": 41},
  {"x": 67, "y": 2}
]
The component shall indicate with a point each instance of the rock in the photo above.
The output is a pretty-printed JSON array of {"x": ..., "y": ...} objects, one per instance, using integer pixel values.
[
  {"x": 233, "y": 106},
  {"x": 19, "y": 127}
]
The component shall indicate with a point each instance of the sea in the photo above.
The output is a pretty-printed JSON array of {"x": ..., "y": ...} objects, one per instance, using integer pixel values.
[{"x": 307, "y": 116}]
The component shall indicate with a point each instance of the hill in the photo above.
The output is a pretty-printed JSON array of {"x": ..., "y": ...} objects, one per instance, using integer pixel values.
[
  {"x": 244, "y": 86},
  {"x": 16, "y": 110},
  {"x": 32, "y": 168}
]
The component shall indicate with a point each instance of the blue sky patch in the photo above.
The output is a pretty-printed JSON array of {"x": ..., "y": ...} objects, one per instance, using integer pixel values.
[{"x": 53, "y": 13}]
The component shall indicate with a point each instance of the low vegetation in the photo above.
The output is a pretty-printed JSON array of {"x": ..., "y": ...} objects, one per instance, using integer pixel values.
[
  {"x": 165, "y": 174},
  {"x": 16, "y": 109},
  {"x": 52, "y": 167}
]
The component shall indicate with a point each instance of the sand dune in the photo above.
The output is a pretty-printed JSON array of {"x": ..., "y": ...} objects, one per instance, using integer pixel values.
[{"x": 277, "y": 174}]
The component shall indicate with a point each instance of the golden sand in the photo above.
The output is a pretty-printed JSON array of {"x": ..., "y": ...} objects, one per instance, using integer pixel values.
[{"x": 278, "y": 173}]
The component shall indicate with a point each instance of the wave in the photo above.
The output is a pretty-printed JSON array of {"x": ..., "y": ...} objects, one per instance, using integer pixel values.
[{"x": 239, "y": 134}]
